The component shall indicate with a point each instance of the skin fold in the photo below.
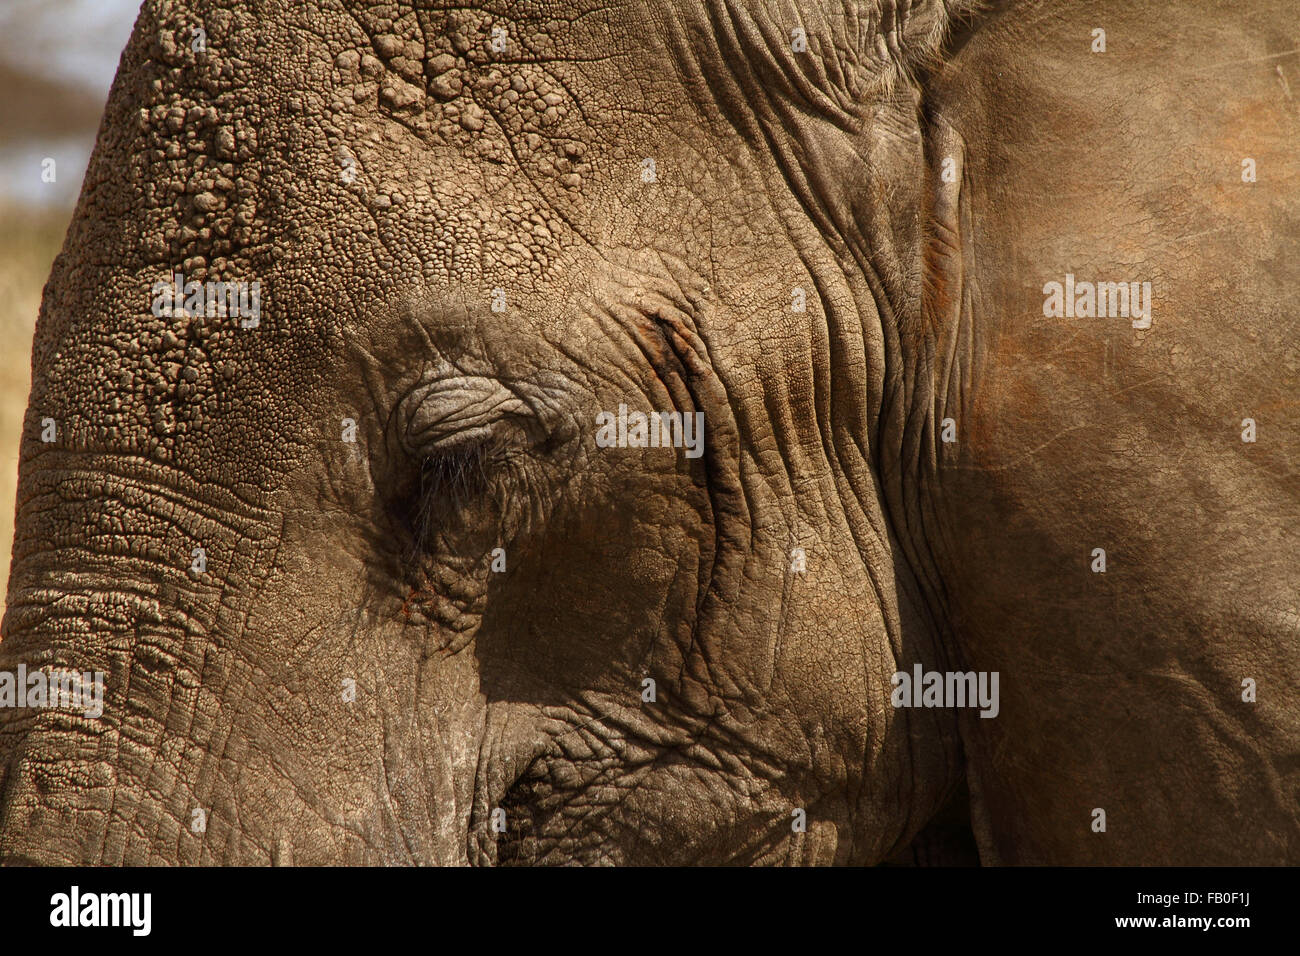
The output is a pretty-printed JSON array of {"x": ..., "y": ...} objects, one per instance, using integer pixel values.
[{"x": 436, "y": 622}]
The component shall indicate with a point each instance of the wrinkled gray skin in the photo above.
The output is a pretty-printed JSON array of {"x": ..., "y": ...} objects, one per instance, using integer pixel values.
[{"x": 522, "y": 690}]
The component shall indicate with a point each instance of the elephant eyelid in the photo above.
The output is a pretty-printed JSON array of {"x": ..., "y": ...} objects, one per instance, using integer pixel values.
[{"x": 449, "y": 416}]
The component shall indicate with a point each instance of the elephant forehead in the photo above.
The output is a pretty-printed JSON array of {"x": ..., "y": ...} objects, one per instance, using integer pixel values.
[
  {"x": 333, "y": 159},
  {"x": 257, "y": 142}
]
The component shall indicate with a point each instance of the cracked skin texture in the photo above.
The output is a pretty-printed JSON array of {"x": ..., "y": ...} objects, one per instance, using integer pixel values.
[{"x": 382, "y": 171}]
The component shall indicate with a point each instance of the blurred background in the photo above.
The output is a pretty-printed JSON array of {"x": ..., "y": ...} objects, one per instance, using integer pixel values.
[{"x": 57, "y": 60}]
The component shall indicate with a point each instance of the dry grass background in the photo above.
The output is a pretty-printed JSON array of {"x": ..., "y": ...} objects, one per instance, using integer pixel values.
[
  {"x": 30, "y": 237},
  {"x": 57, "y": 58}
]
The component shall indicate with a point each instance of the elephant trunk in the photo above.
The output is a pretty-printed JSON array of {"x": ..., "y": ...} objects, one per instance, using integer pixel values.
[
  {"x": 204, "y": 723},
  {"x": 107, "y": 665}
]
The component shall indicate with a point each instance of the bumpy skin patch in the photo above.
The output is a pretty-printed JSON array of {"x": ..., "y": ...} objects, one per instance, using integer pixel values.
[{"x": 477, "y": 231}]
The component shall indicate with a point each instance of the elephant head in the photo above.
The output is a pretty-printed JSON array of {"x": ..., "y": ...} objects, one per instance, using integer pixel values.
[{"x": 541, "y": 433}]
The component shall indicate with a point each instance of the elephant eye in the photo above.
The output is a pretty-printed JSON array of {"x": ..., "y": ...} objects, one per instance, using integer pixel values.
[
  {"x": 449, "y": 491},
  {"x": 463, "y": 446}
]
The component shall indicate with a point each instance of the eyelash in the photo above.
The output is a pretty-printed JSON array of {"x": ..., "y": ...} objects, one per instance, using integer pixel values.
[{"x": 460, "y": 471}]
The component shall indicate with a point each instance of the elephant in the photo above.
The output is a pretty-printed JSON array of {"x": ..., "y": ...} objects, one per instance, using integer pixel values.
[{"x": 669, "y": 432}]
